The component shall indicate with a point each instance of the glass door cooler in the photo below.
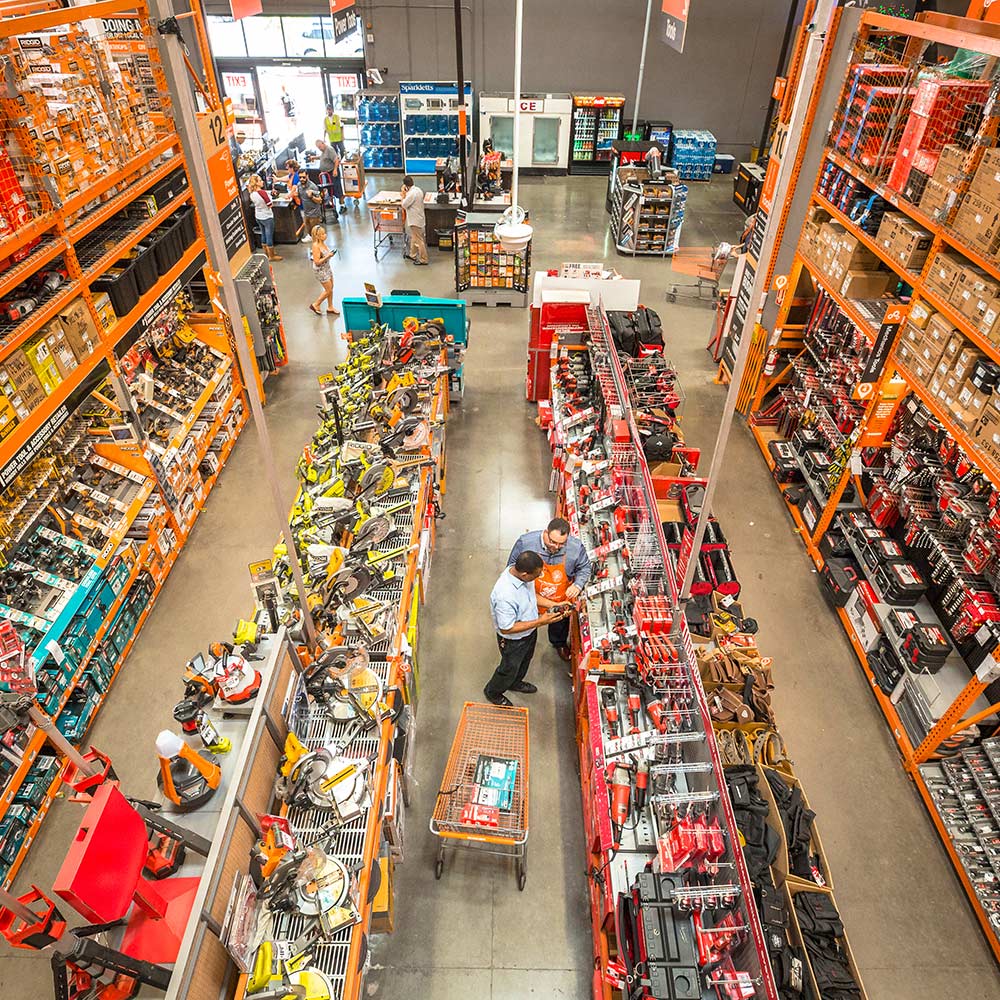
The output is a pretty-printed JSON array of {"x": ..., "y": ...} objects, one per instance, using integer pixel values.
[{"x": 597, "y": 123}]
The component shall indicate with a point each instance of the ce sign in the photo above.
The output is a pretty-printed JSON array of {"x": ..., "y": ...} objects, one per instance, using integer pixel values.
[{"x": 527, "y": 106}]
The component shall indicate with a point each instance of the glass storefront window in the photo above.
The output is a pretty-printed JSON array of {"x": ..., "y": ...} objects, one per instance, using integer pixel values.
[
  {"x": 264, "y": 36},
  {"x": 226, "y": 37}
]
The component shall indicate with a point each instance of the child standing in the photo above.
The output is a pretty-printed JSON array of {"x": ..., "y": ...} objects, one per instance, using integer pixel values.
[{"x": 321, "y": 255}]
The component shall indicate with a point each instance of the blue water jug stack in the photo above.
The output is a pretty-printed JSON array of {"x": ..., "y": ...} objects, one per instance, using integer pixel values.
[{"x": 694, "y": 154}]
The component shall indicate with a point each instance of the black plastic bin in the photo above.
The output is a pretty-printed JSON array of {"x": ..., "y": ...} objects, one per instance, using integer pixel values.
[
  {"x": 144, "y": 260},
  {"x": 119, "y": 282},
  {"x": 167, "y": 245},
  {"x": 170, "y": 187},
  {"x": 188, "y": 232}
]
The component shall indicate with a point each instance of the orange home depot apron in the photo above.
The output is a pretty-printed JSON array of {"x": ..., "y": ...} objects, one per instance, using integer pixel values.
[{"x": 553, "y": 583}]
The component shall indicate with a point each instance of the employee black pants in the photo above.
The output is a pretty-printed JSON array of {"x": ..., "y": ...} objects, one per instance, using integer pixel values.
[
  {"x": 515, "y": 658},
  {"x": 559, "y": 632}
]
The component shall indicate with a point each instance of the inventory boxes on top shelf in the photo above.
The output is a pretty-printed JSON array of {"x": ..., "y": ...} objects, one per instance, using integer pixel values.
[
  {"x": 903, "y": 240},
  {"x": 978, "y": 223}
]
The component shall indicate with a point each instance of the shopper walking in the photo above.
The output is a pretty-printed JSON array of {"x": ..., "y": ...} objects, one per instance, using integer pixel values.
[
  {"x": 321, "y": 255},
  {"x": 312, "y": 207},
  {"x": 413, "y": 206},
  {"x": 514, "y": 609},
  {"x": 263, "y": 213},
  {"x": 333, "y": 129},
  {"x": 566, "y": 571}
]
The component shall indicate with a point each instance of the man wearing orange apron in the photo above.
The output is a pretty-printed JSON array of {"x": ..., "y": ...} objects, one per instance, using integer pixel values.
[{"x": 565, "y": 571}]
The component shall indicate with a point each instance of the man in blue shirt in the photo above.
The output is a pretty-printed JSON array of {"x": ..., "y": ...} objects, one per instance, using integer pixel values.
[
  {"x": 565, "y": 572},
  {"x": 514, "y": 609}
]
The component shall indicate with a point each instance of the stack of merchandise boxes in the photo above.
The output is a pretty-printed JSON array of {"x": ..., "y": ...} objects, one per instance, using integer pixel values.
[
  {"x": 852, "y": 269},
  {"x": 76, "y": 116},
  {"x": 694, "y": 154},
  {"x": 876, "y": 95},
  {"x": 904, "y": 241},
  {"x": 977, "y": 221},
  {"x": 940, "y": 189},
  {"x": 943, "y": 110}
]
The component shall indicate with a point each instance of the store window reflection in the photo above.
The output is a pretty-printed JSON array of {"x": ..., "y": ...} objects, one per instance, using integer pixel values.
[
  {"x": 226, "y": 37},
  {"x": 264, "y": 36}
]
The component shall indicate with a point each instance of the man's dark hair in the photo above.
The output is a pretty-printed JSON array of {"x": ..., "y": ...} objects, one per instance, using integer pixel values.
[
  {"x": 559, "y": 524},
  {"x": 408, "y": 181},
  {"x": 528, "y": 562}
]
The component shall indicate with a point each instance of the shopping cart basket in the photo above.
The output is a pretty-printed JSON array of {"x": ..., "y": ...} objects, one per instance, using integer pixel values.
[
  {"x": 387, "y": 222},
  {"x": 494, "y": 738},
  {"x": 705, "y": 264}
]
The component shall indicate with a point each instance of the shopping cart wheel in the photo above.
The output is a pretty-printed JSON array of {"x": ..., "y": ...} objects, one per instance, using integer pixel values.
[
  {"x": 522, "y": 875},
  {"x": 439, "y": 864},
  {"x": 672, "y": 295}
]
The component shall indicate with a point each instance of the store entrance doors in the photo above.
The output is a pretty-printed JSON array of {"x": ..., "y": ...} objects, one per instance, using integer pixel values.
[{"x": 341, "y": 89}]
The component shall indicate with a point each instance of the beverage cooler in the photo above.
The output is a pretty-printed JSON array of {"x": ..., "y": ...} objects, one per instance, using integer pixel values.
[
  {"x": 546, "y": 122},
  {"x": 597, "y": 123},
  {"x": 430, "y": 122}
]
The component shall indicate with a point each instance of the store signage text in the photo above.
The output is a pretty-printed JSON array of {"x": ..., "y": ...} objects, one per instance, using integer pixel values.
[
  {"x": 527, "y": 106},
  {"x": 336, "y": 5},
  {"x": 675, "y": 18},
  {"x": 880, "y": 351},
  {"x": 345, "y": 23},
  {"x": 238, "y": 81}
]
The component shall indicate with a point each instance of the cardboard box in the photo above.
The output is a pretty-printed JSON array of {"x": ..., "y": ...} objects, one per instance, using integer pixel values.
[
  {"x": 938, "y": 328},
  {"x": 920, "y": 313},
  {"x": 950, "y": 169},
  {"x": 989, "y": 322},
  {"x": 978, "y": 223},
  {"x": 866, "y": 284},
  {"x": 937, "y": 199},
  {"x": 943, "y": 272},
  {"x": 17, "y": 371},
  {"x": 81, "y": 331},
  {"x": 986, "y": 180},
  {"x": 972, "y": 281},
  {"x": 59, "y": 348},
  {"x": 910, "y": 244}
]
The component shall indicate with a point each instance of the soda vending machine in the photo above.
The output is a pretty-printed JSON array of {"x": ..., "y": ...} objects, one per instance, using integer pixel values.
[{"x": 597, "y": 123}]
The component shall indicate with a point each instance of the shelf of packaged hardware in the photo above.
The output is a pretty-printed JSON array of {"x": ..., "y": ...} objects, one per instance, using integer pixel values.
[
  {"x": 982, "y": 916},
  {"x": 185, "y": 481},
  {"x": 35, "y": 743},
  {"x": 987, "y": 346},
  {"x": 35, "y": 261},
  {"x": 125, "y": 173},
  {"x": 53, "y": 789},
  {"x": 989, "y": 468},
  {"x": 149, "y": 299},
  {"x": 27, "y": 23},
  {"x": 28, "y": 427},
  {"x": 113, "y": 206},
  {"x": 989, "y": 264},
  {"x": 35, "y": 320},
  {"x": 43, "y": 808},
  {"x": 122, "y": 249},
  {"x": 870, "y": 244},
  {"x": 847, "y": 306},
  {"x": 38, "y": 226},
  {"x": 199, "y": 404}
]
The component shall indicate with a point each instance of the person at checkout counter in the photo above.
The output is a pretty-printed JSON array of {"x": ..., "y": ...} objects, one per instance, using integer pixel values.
[{"x": 236, "y": 146}]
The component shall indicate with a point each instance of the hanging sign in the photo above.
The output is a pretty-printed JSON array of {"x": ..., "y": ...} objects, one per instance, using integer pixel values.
[
  {"x": 880, "y": 352},
  {"x": 675, "y": 18},
  {"x": 345, "y": 22},
  {"x": 245, "y": 8},
  {"x": 527, "y": 105},
  {"x": 338, "y": 5},
  {"x": 225, "y": 190}
]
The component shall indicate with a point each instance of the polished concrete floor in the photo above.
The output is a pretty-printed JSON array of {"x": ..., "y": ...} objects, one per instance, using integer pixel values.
[{"x": 473, "y": 933}]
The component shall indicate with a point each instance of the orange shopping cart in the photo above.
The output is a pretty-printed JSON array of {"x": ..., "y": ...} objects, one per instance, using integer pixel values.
[
  {"x": 482, "y": 804},
  {"x": 705, "y": 264},
  {"x": 387, "y": 222}
]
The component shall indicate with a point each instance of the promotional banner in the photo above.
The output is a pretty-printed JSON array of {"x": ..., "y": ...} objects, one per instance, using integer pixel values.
[{"x": 675, "y": 18}]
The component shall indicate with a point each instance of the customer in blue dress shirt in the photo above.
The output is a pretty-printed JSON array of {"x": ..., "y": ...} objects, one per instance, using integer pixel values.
[{"x": 514, "y": 608}]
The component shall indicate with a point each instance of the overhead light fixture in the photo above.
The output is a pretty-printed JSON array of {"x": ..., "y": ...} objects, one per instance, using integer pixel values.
[{"x": 512, "y": 231}]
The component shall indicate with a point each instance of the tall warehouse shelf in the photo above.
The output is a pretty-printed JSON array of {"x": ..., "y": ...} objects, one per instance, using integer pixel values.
[
  {"x": 878, "y": 411},
  {"x": 120, "y": 395}
]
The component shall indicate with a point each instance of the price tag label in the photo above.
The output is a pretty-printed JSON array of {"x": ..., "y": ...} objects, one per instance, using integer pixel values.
[{"x": 578, "y": 418}]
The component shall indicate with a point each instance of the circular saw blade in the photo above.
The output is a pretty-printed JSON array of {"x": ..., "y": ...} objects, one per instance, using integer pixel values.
[
  {"x": 352, "y": 581},
  {"x": 376, "y": 529}
]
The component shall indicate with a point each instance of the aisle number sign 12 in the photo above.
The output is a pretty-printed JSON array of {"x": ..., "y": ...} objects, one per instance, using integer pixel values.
[{"x": 214, "y": 132}]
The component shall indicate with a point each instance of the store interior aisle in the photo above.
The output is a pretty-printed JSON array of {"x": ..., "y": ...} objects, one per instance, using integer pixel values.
[{"x": 473, "y": 933}]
